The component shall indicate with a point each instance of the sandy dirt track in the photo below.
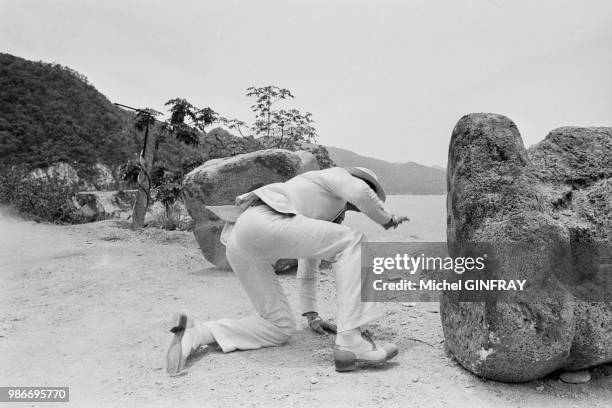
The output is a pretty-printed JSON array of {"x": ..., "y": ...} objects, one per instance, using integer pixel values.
[{"x": 86, "y": 306}]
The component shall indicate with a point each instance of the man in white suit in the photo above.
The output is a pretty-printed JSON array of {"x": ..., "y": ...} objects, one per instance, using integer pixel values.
[{"x": 299, "y": 218}]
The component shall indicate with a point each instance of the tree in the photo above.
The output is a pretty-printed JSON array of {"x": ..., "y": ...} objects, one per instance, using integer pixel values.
[
  {"x": 145, "y": 121},
  {"x": 266, "y": 97},
  {"x": 233, "y": 124},
  {"x": 279, "y": 128},
  {"x": 185, "y": 124},
  {"x": 186, "y": 120},
  {"x": 167, "y": 191},
  {"x": 291, "y": 126}
]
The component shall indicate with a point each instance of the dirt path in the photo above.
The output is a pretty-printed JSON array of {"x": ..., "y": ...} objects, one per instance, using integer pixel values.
[{"x": 86, "y": 306}]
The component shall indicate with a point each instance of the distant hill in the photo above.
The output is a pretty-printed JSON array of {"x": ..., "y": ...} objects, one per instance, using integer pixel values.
[
  {"x": 397, "y": 178},
  {"x": 51, "y": 113}
]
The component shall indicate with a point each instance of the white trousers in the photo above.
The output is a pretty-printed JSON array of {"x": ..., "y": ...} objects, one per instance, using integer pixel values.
[{"x": 260, "y": 237}]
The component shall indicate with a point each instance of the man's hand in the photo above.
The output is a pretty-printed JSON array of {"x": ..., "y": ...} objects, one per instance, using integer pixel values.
[
  {"x": 395, "y": 221},
  {"x": 319, "y": 325}
]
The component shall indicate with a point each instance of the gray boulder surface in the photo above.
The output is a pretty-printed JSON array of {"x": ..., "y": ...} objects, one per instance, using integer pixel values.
[
  {"x": 220, "y": 181},
  {"x": 559, "y": 192}
]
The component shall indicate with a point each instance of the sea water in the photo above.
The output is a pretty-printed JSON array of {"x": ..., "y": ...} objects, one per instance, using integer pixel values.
[{"x": 427, "y": 223}]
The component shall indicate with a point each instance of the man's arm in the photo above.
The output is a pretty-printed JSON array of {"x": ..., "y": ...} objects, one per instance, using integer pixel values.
[{"x": 358, "y": 193}]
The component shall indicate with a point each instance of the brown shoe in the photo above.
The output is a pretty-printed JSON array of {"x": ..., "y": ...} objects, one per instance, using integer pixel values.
[{"x": 347, "y": 358}]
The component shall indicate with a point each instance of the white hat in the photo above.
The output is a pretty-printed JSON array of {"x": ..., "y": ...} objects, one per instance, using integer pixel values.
[{"x": 369, "y": 176}]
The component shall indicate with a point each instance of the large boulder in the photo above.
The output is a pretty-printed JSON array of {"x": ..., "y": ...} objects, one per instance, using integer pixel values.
[
  {"x": 220, "y": 181},
  {"x": 572, "y": 171},
  {"x": 556, "y": 195}
]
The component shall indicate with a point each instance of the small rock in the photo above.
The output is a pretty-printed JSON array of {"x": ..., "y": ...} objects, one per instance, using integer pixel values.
[
  {"x": 540, "y": 388},
  {"x": 575, "y": 377},
  {"x": 313, "y": 380}
]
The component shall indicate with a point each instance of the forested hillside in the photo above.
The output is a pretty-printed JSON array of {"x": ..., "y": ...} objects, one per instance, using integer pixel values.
[{"x": 50, "y": 113}]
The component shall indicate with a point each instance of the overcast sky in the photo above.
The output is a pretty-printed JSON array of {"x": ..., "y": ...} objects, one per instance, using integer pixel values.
[{"x": 387, "y": 79}]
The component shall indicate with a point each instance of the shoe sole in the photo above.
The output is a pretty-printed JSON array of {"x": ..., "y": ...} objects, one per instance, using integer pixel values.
[
  {"x": 353, "y": 364},
  {"x": 175, "y": 361}
]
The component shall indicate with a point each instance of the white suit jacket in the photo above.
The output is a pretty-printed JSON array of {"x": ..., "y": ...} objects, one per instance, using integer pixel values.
[{"x": 321, "y": 195}]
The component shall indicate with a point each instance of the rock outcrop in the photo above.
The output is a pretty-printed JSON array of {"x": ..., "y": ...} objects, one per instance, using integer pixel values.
[
  {"x": 102, "y": 205},
  {"x": 60, "y": 171},
  {"x": 102, "y": 177},
  {"x": 220, "y": 181},
  {"x": 556, "y": 195}
]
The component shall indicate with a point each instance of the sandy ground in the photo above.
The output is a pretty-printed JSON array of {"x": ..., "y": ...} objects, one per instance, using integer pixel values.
[{"x": 86, "y": 307}]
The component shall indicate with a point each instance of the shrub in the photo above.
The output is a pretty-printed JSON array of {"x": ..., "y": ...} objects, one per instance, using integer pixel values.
[{"x": 39, "y": 198}]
